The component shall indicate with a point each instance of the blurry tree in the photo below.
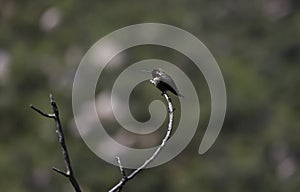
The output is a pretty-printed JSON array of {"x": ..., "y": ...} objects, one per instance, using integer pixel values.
[{"x": 256, "y": 43}]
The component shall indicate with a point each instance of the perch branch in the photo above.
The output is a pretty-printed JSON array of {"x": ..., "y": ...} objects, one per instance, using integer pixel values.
[
  {"x": 61, "y": 139},
  {"x": 124, "y": 178}
]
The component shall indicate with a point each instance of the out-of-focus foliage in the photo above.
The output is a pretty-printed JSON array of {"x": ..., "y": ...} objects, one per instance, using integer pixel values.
[{"x": 256, "y": 43}]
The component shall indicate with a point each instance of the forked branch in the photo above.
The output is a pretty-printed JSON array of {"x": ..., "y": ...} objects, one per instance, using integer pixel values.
[
  {"x": 61, "y": 139},
  {"x": 124, "y": 178}
]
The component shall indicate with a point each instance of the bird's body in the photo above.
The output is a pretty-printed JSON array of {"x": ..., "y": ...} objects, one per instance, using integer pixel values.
[{"x": 164, "y": 82}]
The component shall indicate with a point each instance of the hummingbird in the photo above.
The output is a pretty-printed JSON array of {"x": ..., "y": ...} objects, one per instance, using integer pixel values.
[{"x": 164, "y": 82}]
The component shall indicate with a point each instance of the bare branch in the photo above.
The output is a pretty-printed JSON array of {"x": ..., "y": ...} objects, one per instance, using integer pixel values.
[
  {"x": 60, "y": 171},
  {"x": 124, "y": 179},
  {"x": 42, "y": 113},
  {"x": 121, "y": 167},
  {"x": 61, "y": 139}
]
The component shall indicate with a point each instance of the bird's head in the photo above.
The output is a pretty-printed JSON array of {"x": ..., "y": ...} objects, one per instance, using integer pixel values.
[{"x": 157, "y": 72}]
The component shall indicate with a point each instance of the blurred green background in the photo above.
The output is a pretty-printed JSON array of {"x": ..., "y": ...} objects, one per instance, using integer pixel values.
[{"x": 256, "y": 44}]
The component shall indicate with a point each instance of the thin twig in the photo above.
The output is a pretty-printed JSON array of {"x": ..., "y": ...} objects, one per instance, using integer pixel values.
[
  {"x": 42, "y": 113},
  {"x": 61, "y": 139},
  {"x": 124, "y": 179},
  {"x": 121, "y": 167}
]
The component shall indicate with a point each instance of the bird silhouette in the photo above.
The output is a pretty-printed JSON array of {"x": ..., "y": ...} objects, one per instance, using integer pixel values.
[{"x": 164, "y": 82}]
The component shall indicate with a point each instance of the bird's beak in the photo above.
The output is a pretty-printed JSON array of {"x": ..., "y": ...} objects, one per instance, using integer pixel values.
[{"x": 146, "y": 71}]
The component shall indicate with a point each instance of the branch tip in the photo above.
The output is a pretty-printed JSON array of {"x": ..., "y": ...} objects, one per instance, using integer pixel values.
[
  {"x": 121, "y": 167},
  {"x": 41, "y": 112},
  {"x": 60, "y": 172}
]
